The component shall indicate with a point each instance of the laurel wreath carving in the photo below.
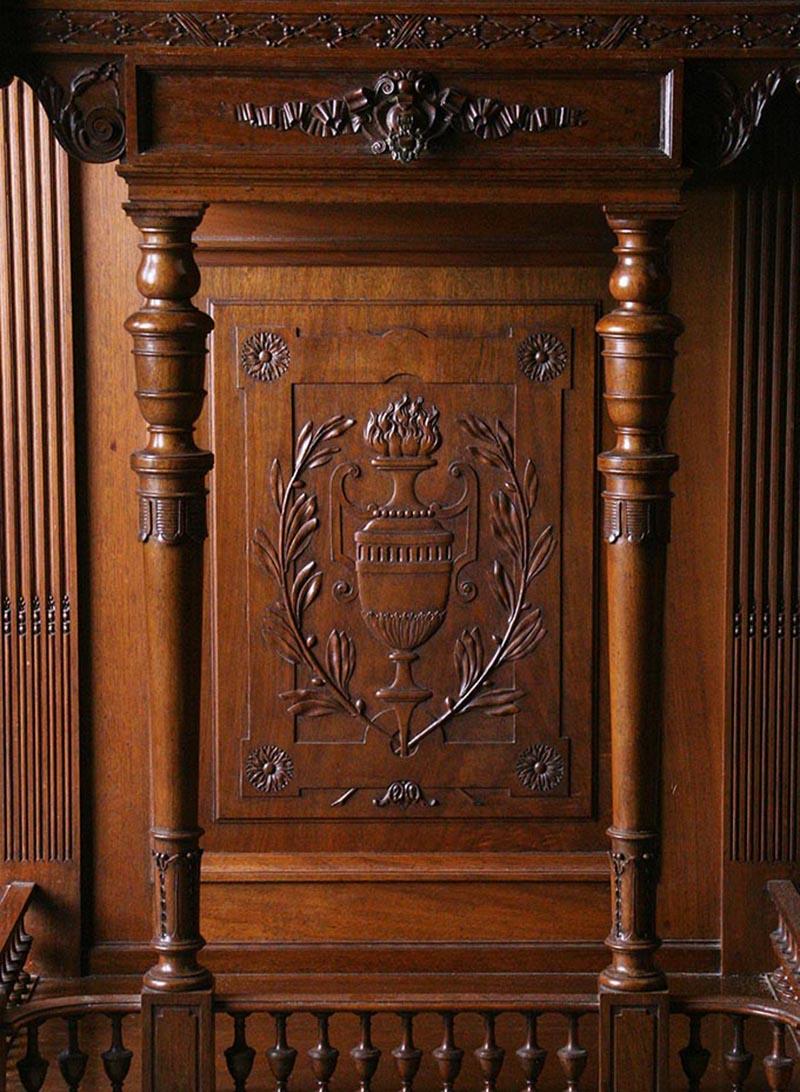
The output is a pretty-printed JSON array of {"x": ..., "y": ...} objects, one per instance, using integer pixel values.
[
  {"x": 329, "y": 684},
  {"x": 298, "y": 584},
  {"x": 512, "y": 512}
]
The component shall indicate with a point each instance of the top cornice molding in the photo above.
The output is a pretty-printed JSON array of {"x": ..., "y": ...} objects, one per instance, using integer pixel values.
[{"x": 710, "y": 29}]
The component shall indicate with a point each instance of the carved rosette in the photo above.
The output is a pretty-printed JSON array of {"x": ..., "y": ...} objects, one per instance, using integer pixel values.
[
  {"x": 405, "y": 112},
  {"x": 541, "y": 768},
  {"x": 269, "y": 768},
  {"x": 542, "y": 357},
  {"x": 265, "y": 356}
]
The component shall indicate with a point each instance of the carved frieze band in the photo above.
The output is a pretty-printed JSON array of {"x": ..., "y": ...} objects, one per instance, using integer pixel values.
[
  {"x": 659, "y": 32},
  {"x": 174, "y": 519},
  {"x": 38, "y": 661},
  {"x": 636, "y": 519},
  {"x": 405, "y": 111},
  {"x": 764, "y": 712}
]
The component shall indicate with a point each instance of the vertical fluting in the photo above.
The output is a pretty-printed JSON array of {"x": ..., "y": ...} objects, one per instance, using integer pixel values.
[
  {"x": 765, "y": 653},
  {"x": 37, "y": 532}
]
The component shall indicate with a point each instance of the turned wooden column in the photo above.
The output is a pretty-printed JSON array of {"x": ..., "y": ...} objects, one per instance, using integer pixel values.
[
  {"x": 169, "y": 346},
  {"x": 638, "y": 353}
]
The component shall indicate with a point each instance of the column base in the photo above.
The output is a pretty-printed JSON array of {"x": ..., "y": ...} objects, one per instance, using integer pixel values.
[
  {"x": 162, "y": 980},
  {"x": 618, "y": 980}
]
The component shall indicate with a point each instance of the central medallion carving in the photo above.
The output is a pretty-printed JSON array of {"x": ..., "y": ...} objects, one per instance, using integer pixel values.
[
  {"x": 406, "y": 555},
  {"x": 405, "y": 112}
]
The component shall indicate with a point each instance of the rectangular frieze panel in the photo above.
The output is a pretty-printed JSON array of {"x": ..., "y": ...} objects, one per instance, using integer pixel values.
[
  {"x": 403, "y": 563},
  {"x": 328, "y": 114}
]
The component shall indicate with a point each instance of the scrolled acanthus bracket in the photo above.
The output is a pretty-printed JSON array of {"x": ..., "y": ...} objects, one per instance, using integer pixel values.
[
  {"x": 721, "y": 119},
  {"x": 404, "y": 112},
  {"x": 87, "y": 115}
]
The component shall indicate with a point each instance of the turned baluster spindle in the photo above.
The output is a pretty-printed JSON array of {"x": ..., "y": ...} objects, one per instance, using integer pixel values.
[
  {"x": 572, "y": 1055},
  {"x": 694, "y": 1056},
  {"x": 323, "y": 1056},
  {"x": 240, "y": 1056},
  {"x": 638, "y": 354},
  {"x": 72, "y": 1061},
  {"x": 531, "y": 1056},
  {"x": 32, "y": 1066},
  {"x": 407, "y": 1056},
  {"x": 22, "y": 988},
  {"x": 365, "y": 1055},
  {"x": 281, "y": 1057},
  {"x": 738, "y": 1060},
  {"x": 117, "y": 1059},
  {"x": 490, "y": 1056},
  {"x": 448, "y": 1056},
  {"x": 778, "y": 1066},
  {"x": 169, "y": 346}
]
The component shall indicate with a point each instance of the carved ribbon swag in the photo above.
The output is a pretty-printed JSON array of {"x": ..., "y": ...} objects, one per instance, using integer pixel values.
[
  {"x": 405, "y": 111},
  {"x": 330, "y": 673}
]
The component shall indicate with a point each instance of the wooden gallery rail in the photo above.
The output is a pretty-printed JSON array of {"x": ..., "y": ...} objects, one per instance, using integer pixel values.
[{"x": 130, "y": 85}]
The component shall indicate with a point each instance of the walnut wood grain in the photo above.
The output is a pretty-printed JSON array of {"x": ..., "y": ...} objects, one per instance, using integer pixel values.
[
  {"x": 638, "y": 352},
  {"x": 169, "y": 338},
  {"x": 40, "y": 837}
]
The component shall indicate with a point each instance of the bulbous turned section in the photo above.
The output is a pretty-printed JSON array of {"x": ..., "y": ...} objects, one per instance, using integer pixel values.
[{"x": 638, "y": 349}]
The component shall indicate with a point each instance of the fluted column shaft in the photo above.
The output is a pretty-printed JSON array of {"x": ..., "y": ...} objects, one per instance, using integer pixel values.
[
  {"x": 638, "y": 353},
  {"x": 169, "y": 346}
]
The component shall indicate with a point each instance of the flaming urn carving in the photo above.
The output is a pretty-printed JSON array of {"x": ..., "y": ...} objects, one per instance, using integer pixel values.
[{"x": 404, "y": 555}]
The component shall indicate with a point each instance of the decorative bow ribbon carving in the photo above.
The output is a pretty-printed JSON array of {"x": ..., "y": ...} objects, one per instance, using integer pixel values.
[{"x": 405, "y": 111}]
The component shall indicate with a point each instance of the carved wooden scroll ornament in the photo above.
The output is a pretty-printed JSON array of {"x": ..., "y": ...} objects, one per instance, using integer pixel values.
[{"x": 405, "y": 112}]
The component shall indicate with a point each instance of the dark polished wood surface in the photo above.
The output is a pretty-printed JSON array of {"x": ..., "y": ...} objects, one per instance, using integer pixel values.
[{"x": 402, "y": 648}]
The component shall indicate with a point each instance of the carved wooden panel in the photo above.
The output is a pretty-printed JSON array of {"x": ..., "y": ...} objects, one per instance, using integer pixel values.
[
  {"x": 765, "y": 667},
  {"x": 277, "y": 116},
  {"x": 37, "y": 651},
  {"x": 398, "y": 560}
]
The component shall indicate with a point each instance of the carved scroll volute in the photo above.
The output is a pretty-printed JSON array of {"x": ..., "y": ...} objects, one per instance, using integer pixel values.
[
  {"x": 169, "y": 338},
  {"x": 638, "y": 353}
]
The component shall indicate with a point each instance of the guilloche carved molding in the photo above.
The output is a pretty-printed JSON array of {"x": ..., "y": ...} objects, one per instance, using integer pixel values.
[
  {"x": 666, "y": 31},
  {"x": 405, "y": 111}
]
